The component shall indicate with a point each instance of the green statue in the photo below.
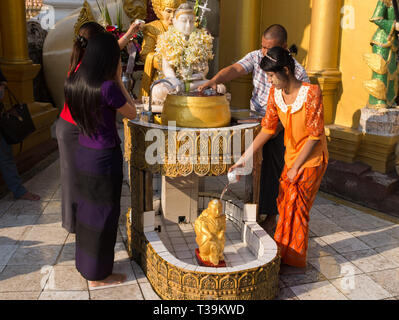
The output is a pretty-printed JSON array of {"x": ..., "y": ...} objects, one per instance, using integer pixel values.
[{"x": 383, "y": 87}]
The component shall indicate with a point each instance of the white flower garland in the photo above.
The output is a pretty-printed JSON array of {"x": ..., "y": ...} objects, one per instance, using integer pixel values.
[{"x": 187, "y": 57}]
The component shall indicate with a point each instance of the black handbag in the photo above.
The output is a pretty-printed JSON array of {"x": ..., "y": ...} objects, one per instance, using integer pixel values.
[{"x": 15, "y": 123}]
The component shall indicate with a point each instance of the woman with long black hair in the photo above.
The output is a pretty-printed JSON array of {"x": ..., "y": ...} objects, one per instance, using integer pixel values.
[
  {"x": 67, "y": 132},
  {"x": 299, "y": 107},
  {"x": 94, "y": 96}
]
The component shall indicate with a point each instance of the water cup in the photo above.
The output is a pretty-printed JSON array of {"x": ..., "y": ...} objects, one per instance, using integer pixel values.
[{"x": 233, "y": 175}]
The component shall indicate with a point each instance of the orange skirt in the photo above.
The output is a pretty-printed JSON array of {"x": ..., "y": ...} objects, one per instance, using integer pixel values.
[{"x": 294, "y": 203}]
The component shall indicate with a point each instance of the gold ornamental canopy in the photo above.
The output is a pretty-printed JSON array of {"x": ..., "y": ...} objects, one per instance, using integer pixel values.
[{"x": 33, "y": 8}]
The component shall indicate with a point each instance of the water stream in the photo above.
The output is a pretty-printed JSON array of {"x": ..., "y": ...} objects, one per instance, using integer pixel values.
[{"x": 224, "y": 191}]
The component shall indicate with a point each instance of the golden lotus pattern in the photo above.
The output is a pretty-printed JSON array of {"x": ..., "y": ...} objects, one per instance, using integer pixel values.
[{"x": 213, "y": 152}]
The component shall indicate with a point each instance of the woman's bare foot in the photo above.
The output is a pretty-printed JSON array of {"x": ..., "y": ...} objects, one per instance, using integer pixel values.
[
  {"x": 29, "y": 196},
  {"x": 113, "y": 279}
]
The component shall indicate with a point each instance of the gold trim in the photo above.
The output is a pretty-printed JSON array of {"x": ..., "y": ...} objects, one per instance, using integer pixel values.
[
  {"x": 85, "y": 15},
  {"x": 219, "y": 149},
  {"x": 174, "y": 283}
]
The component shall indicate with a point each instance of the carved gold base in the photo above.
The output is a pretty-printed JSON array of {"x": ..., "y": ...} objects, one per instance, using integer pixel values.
[
  {"x": 343, "y": 143},
  {"x": 350, "y": 145},
  {"x": 378, "y": 152}
]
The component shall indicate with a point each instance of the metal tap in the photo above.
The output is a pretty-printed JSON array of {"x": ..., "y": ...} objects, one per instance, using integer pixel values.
[{"x": 149, "y": 115}]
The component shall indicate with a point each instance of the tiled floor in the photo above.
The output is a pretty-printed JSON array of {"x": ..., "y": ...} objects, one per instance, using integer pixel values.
[
  {"x": 180, "y": 241},
  {"x": 352, "y": 255}
]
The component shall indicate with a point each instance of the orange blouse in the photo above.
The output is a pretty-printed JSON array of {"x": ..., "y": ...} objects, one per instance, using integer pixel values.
[{"x": 303, "y": 121}]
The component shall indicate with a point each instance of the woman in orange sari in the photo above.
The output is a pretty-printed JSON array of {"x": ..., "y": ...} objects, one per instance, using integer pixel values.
[{"x": 298, "y": 107}]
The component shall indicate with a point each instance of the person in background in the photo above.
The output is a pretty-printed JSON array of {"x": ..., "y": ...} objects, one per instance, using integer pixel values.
[
  {"x": 94, "y": 95},
  {"x": 66, "y": 130},
  {"x": 273, "y": 152},
  {"x": 299, "y": 107},
  {"x": 8, "y": 168}
]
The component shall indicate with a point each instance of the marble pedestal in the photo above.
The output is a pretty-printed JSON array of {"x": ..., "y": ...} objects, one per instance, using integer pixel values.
[
  {"x": 180, "y": 198},
  {"x": 380, "y": 134}
]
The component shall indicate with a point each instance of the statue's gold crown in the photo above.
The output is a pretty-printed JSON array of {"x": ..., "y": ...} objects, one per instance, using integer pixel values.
[{"x": 160, "y": 5}]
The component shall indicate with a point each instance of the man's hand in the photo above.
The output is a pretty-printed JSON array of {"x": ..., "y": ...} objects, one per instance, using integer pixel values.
[{"x": 209, "y": 84}]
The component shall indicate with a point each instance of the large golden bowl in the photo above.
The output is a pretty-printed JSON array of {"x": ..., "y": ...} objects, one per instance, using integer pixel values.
[{"x": 196, "y": 111}]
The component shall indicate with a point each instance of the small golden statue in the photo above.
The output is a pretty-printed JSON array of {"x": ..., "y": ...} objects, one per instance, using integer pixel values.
[
  {"x": 164, "y": 9},
  {"x": 210, "y": 228}
]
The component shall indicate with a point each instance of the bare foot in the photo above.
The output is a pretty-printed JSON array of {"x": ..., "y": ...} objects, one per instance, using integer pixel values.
[
  {"x": 30, "y": 196},
  {"x": 113, "y": 279}
]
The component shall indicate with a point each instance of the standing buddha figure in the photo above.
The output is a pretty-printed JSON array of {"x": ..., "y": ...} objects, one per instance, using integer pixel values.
[
  {"x": 164, "y": 9},
  {"x": 383, "y": 87}
]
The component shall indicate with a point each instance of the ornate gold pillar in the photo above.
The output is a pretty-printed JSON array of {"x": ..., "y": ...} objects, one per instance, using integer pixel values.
[
  {"x": 323, "y": 52},
  {"x": 20, "y": 72},
  {"x": 239, "y": 35},
  {"x": 15, "y": 63}
]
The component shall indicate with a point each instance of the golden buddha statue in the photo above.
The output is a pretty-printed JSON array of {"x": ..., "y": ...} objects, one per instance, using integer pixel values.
[
  {"x": 210, "y": 228},
  {"x": 164, "y": 9}
]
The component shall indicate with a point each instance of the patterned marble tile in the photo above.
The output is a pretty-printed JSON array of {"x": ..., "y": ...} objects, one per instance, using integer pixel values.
[
  {"x": 65, "y": 278},
  {"x": 23, "y": 279},
  {"x": 323, "y": 227},
  {"x": 360, "y": 287},
  {"x": 344, "y": 242},
  {"x": 369, "y": 260},
  {"x": 302, "y": 276},
  {"x": 64, "y": 295},
  {"x": 323, "y": 290},
  {"x": 20, "y": 295},
  {"x": 334, "y": 266},
  {"x": 318, "y": 248},
  {"x": 376, "y": 239},
  {"x": 387, "y": 279},
  {"x": 27, "y": 207},
  {"x": 41, "y": 256},
  {"x": 45, "y": 235},
  {"x": 129, "y": 292}
]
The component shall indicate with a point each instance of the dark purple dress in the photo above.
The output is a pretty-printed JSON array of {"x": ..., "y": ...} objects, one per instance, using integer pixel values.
[{"x": 98, "y": 161}]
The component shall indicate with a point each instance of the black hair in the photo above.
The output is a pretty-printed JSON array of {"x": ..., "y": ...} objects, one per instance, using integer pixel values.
[
  {"x": 83, "y": 88},
  {"x": 276, "y": 31},
  {"x": 86, "y": 31},
  {"x": 276, "y": 60}
]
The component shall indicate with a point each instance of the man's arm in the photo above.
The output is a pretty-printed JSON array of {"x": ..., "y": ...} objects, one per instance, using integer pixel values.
[{"x": 223, "y": 76}]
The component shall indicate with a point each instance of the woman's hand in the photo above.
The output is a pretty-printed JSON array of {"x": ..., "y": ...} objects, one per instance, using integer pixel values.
[
  {"x": 240, "y": 164},
  {"x": 293, "y": 173},
  {"x": 135, "y": 27}
]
